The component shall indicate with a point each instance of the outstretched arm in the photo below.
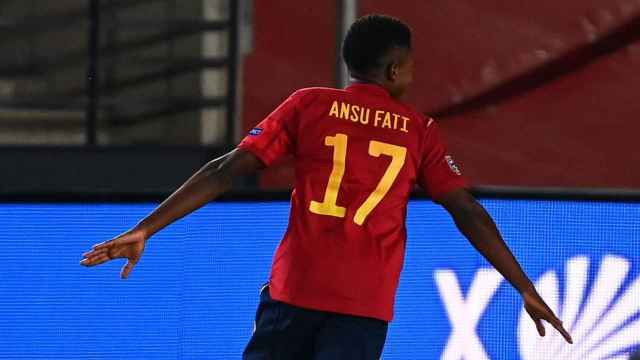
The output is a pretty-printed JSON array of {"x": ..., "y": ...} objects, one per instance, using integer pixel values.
[
  {"x": 212, "y": 180},
  {"x": 476, "y": 224}
]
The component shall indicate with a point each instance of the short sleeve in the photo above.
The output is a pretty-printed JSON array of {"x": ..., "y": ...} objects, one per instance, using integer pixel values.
[
  {"x": 273, "y": 138},
  {"x": 438, "y": 173}
]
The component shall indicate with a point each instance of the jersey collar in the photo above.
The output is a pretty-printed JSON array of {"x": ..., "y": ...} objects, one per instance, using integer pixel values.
[{"x": 368, "y": 88}]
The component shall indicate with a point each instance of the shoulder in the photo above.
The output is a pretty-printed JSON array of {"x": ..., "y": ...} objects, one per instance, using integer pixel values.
[
  {"x": 425, "y": 122},
  {"x": 306, "y": 97},
  {"x": 316, "y": 92}
]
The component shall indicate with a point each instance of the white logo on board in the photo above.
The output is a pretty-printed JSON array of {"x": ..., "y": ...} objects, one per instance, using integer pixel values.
[
  {"x": 604, "y": 324},
  {"x": 465, "y": 312}
]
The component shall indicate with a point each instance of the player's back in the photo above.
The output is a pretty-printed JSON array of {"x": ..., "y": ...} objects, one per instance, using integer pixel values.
[
  {"x": 358, "y": 153},
  {"x": 356, "y": 156}
]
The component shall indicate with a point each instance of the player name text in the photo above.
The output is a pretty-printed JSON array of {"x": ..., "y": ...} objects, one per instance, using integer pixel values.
[{"x": 365, "y": 116}]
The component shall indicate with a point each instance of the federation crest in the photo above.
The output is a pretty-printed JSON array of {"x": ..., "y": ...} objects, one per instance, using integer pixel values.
[{"x": 452, "y": 165}]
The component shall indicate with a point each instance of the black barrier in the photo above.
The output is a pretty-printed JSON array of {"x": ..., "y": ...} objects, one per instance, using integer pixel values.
[{"x": 252, "y": 195}]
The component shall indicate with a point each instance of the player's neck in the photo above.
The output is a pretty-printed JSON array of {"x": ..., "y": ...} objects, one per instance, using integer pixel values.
[{"x": 355, "y": 79}]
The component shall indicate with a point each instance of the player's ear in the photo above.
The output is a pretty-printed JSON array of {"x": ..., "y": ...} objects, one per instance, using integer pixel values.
[{"x": 391, "y": 72}]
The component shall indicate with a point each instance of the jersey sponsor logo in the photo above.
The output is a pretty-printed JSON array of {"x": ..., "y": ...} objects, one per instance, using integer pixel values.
[
  {"x": 452, "y": 165},
  {"x": 604, "y": 323},
  {"x": 255, "y": 131}
]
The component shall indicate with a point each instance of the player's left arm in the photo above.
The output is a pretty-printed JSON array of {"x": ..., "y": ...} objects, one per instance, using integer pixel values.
[{"x": 479, "y": 228}]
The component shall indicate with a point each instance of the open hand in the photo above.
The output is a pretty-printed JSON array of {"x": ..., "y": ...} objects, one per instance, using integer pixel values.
[
  {"x": 538, "y": 310},
  {"x": 129, "y": 245}
]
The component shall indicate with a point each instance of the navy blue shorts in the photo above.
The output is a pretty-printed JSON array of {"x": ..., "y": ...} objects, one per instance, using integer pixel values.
[{"x": 286, "y": 332}]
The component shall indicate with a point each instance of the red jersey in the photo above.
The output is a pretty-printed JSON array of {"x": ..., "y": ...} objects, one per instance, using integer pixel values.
[{"x": 358, "y": 154}]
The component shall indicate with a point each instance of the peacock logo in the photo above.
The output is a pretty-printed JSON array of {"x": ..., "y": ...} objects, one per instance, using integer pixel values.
[{"x": 604, "y": 323}]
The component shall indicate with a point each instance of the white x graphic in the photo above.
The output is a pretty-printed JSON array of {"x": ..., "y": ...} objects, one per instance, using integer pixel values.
[{"x": 464, "y": 315}]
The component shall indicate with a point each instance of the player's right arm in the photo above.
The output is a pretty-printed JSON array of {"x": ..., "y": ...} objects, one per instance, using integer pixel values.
[
  {"x": 271, "y": 140},
  {"x": 212, "y": 180}
]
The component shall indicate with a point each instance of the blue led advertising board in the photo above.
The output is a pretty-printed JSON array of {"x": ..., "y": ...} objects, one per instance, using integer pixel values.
[{"x": 194, "y": 293}]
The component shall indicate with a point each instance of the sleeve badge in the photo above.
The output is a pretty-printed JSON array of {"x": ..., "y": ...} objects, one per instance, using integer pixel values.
[{"x": 452, "y": 165}]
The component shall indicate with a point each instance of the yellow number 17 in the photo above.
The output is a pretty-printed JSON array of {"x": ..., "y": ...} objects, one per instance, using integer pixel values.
[{"x": 329, "y": 205}]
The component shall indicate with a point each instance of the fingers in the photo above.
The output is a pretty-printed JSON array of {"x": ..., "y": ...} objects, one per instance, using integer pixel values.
[
  {"x": 557, "y": 324},
  {"x": 94, "y": 253},
  {"x": 565, "y": 334},
  {"x": 126, "y": 269},
  {"x": 540, "y": 327},
  {"x": 95, "y": 260},
  {"x": 552, "y": 319},
  {"x": 536, "y": 319},
  {"x": 128, "y": 237},
  {"x": 102, "y": 245},
  {"x": 127, "y": 245},
  {"x": 91, "y": 258}
]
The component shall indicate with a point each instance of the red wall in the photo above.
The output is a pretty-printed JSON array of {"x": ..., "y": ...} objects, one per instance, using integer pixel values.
[
  {"x": 580, "y": 130},
  {"x": 465, "y": 47},
  {"x": 294, "y": 47},
  {"x": 575, "y": 130}
]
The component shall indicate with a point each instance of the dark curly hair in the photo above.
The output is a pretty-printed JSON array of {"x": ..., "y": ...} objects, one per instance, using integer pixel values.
[{"x": 370, "y": 38}]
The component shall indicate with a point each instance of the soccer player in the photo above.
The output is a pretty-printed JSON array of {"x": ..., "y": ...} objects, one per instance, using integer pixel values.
[{"x": 358, "y": 154}]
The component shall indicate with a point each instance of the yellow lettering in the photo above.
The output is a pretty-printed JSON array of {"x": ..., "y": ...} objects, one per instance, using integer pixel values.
[
  {"x": 395, "y": 121},
  {"x": 404, "y": 124},
  {"x": 378, "y": 117},
  {"x": 354, "y": 113},
  {"x": 362, "y": 115},
  {"x": 329, "y": 205},
  {"x": 344, "y": 111},
  {"x": 334, "y": 110},
  {"x": 387, "y": 121},
  {"x": 398, "y": 156},
  {"x": 365, "y": 120}
]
